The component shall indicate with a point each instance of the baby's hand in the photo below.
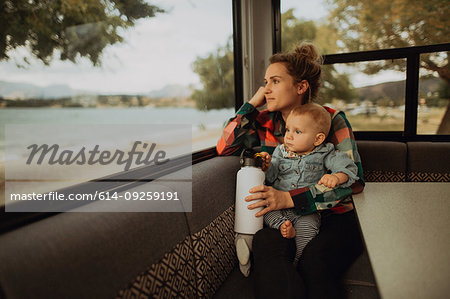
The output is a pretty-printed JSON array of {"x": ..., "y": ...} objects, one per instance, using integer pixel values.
[
  {"x": 329, "y": 180},
  {"x": 266, "y": 160}
]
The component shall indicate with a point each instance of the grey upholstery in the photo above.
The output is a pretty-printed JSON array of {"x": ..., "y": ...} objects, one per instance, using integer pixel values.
[
  {"x": 429, "y": 161},
  {"x": 383, "y": 161},
  {"x": 215, "y": 184},
  {"x": 85, "y": 255}
]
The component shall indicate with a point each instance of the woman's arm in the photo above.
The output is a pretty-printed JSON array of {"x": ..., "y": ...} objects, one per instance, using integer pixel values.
[
  {"x": 341, "y": 135},
  {"x": 239, "y": 132}
]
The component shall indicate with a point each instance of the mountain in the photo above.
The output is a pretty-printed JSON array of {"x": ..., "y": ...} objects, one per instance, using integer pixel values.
[
  {"x": 396, "y": 90},
  {"x": 13, "y": 90},
  {"x": 171, "y": 91}
]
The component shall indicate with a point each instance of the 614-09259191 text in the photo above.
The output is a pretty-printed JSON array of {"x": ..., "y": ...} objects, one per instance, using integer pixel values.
[{"x": 129, "y": 196}]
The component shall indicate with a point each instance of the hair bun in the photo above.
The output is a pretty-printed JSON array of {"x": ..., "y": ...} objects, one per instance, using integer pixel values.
[{"x": 308, "y": 51}]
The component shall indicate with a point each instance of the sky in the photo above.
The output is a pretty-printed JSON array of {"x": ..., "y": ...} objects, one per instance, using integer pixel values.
[
  {"x": 311, "y": 10},
  {"x": 157, "y": 51}
]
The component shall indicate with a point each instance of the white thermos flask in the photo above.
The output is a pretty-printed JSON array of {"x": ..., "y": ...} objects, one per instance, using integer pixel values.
[{"x": 249, "y": 176}]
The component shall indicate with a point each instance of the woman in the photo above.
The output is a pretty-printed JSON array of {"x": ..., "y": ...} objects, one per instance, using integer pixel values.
[{"x": 291, "y": 80}]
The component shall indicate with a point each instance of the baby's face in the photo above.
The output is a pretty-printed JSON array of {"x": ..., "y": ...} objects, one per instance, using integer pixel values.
[{"x": 301, "y": 134}]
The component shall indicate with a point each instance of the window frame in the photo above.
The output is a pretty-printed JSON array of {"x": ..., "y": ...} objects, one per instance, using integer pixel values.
[
  {"x": 13, "y": 220},
  {"x": 412, "y": 56}
]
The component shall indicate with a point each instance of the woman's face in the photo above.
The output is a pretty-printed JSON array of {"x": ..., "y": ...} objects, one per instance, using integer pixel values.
[{"x": 281, "y": 93}]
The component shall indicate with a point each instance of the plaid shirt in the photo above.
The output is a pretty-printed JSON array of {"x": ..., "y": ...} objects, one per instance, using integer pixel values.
[{"x": 250, "y": 128}]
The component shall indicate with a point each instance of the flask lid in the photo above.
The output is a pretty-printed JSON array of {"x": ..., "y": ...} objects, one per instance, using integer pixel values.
[
  {"x": 251, "y": 162},
  {"x": 251, "y": 158}
]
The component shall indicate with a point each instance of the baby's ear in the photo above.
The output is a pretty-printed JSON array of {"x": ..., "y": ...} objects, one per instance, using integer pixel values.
[{"x": 320, "y": 137}]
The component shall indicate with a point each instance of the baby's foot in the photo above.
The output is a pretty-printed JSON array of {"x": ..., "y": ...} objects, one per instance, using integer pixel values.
[{"x": 287, "y": 230}]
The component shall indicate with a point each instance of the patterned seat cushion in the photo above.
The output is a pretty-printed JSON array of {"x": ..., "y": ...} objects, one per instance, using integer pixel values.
[
  {"x": 383, "y": 161},
  {"x": 195, "y": 268},
  {"x": 428, "y": 161},
  {"x": 207, "y": 255}
]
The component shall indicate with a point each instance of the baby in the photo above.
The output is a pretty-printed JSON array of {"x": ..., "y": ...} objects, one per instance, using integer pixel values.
[{"x": 302, "y": 160}]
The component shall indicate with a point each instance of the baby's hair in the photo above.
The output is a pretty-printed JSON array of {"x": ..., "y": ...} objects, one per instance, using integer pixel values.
[
  {"x": 304, "y": 63},
  {"x": 321, "y": 117}
]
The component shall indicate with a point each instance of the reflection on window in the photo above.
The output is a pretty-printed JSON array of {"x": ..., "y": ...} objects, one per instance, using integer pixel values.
[
  {"x": 371, "y": 102},
  {"x": 173, "y": 68},
  {"x": 434, "y": 95}
]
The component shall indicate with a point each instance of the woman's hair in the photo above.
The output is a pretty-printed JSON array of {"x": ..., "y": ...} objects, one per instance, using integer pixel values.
[
  {"x": 321, "y": 117},
  {"x": 304, "y": 63}
]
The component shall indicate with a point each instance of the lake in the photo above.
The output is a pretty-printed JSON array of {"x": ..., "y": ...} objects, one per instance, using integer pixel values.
[{"x": 206, "y": 125}]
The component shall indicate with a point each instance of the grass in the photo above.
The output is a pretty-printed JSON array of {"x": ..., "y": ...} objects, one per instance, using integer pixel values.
[{"x": 393, "y": 120}]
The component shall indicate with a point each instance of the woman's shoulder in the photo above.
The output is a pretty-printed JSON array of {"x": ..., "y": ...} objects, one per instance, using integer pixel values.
[
  {"x": 329, "y": 109},
  {"x": 338, "y": 118},
  {"x": 334, "y": 112}
]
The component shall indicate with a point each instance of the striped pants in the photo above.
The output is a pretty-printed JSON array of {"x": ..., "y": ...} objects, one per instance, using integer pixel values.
[{"x": 306, "y": 227}]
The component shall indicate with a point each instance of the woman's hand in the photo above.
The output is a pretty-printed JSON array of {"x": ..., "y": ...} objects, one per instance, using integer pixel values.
[
  {"x": 259, "y": 99},
  {"x": 272, "y": 199}
]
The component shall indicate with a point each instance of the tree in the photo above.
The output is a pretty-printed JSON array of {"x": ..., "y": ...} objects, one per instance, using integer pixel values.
[
  {"x": 381, "y": 24},
  {"x": 217, "y": 77},
  {"x": 294, "y": 30},
  {"x": 71, "y": 27},
  {"x": 216, "y": 70},
  {"x": 335, "y": 85}
]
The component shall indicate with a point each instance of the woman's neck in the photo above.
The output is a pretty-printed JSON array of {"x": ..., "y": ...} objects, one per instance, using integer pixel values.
[
  {"x": 285, "y": 114},
  {"x": 298, "y": 102}
]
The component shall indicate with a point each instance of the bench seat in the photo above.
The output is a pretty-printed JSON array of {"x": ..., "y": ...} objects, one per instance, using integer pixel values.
[{"x": 184, "y": 254}]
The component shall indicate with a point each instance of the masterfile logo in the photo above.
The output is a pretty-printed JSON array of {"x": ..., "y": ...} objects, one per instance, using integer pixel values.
[
  {"x": 115, "y": 167},
  {"x": 95, "y": 156}
]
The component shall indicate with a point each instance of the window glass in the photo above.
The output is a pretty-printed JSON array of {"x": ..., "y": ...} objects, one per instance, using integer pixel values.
[
  {"x": 349, "y": 26},
  {"x": 433, "y": 115},
  {"x": 93, "y": 63},
  {"x": 342, "y": 26},
  {"x": 370, "y": 102}
]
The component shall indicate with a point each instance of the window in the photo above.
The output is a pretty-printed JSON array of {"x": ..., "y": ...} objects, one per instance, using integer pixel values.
[
  {"x": 173, "y": 68},
  {"x": 370, "y": 102},
  {"x": 341, "y": 26},
  {"x": 434, "y": 95},
  {"x": 350, "y": 28}
]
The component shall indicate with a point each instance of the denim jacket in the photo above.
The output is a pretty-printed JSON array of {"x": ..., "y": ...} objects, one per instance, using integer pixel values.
[{"x": 289, "y": 170}]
